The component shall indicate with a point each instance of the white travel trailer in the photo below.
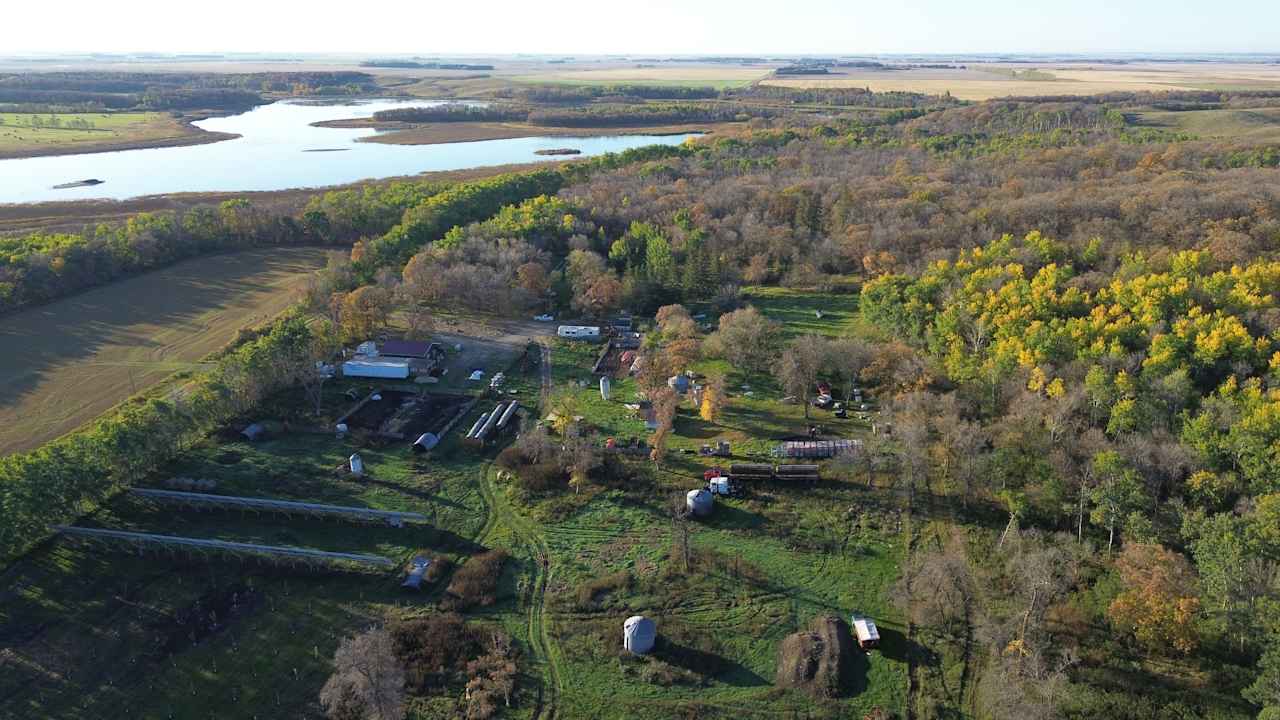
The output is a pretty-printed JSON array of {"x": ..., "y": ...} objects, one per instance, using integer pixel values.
[{"x": 578, "y": 332}]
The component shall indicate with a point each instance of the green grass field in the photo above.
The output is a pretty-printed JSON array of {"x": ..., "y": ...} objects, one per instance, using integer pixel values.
[
  {"x": 18, "y": 134},
  {"x": 1260, "y": 124}
]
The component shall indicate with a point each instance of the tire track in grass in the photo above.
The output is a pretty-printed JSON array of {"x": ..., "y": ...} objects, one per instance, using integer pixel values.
[
  {"x": 540, "y": 644},
  {"x": 526, "y": 533}
]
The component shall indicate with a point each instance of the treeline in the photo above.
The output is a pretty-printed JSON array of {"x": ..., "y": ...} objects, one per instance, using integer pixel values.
[
  {"x": 843, "y": 97},
  {"x": 465, "y": 203},
  {"x": 569, "y": 94},
  {"x": 40, "y": 267},
  {"x": 172, "y": 91},
  {"x": 454, "y": 112},
  {"x": 595, "y": 115},
  {"x": 423, "y": 65},
  {"x": 67, "y": 477},
  {"x": 624, "y": 115}
]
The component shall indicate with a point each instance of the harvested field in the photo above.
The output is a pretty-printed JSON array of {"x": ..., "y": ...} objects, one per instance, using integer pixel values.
[
  {"x": 717, "y": 76},
  {"x": 70, "y": 361},
  {"x": 981, "y": 81}
]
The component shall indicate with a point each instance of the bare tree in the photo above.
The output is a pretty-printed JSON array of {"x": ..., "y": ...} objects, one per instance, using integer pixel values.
[
  {"x": 801, "y": 364},
  {"x": 366, "y": 673}
]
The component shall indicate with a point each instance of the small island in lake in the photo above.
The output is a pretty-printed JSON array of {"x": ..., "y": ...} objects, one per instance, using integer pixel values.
[
  {"x": 558, "y": 151},
  {"x": 78, "y": 183}
]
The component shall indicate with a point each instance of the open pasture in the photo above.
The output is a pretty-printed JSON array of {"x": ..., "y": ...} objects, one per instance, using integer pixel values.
[{"x": 23, "y": 134}]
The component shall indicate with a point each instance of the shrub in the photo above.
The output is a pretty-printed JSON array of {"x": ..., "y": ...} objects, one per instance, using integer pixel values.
[
  {"x": 435, "y": 649},
  {"x": 476, "y": 582}
]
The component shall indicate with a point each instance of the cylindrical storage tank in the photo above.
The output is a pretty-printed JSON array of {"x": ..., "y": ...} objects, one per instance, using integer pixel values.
[
  {"x": 479, "y": 424},
  {"x": 699, "y": 502},
  {"x": 606, "y": 387},
  {"x": 507, "y": 415},
  {"x": 357, "y": 464},
  {"x": 487, "y": 427},
  {"x": 639, "y": 634}
]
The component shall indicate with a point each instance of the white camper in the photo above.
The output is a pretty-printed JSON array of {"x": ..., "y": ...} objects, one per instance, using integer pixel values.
[
  {"x": 579, "y": 332},
  {"x": 866, "y": 632}
]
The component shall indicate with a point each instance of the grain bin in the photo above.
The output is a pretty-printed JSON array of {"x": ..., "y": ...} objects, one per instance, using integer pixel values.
[
  {"x": 639, "y": 634},
  {"x": 699, "y": 502}
]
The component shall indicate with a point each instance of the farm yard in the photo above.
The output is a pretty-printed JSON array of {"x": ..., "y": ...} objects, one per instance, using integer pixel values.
[
  {"x": 190, "y": 630},
  {"x": 73, "y": 359}
]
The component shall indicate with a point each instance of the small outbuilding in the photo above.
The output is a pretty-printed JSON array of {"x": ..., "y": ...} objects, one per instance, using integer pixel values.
[
  {"x": 425, "y": 442},
  {"x": 700, "y": 502},
  {"x": 867, "y": 634},
  {"x": 255, "y": 432},
  {"x": 679, "y": 383},
  {"x": 417, "y": 571},
  {"x": 639, "y": 634}
]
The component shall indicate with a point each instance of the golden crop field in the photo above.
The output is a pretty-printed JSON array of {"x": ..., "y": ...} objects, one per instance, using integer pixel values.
[
  {"x": 66, "y": 363},
  {"x": 984, "y": 81},
  {"x": 701, "y": 75}
]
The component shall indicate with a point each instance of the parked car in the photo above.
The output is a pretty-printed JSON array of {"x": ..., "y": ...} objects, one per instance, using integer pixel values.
[{"x": 544, "y": 318}]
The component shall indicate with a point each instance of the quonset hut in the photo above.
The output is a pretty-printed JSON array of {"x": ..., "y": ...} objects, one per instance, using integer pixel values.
[{"x": 639, "y": 634}]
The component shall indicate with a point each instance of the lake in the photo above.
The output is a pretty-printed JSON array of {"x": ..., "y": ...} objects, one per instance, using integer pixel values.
[{"x": 279, "y": 149}]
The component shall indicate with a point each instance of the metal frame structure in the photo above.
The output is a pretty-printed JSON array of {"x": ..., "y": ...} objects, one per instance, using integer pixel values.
[
  {"x": 271, "y": 553},
  {"x": 198, "y": 501}
]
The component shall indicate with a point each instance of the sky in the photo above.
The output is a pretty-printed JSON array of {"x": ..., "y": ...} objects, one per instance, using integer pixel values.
[{"x": 638, "y": 26}]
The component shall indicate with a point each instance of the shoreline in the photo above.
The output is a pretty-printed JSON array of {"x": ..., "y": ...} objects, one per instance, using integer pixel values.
[
  {"x": 72, "y": 215},
  {"x": 401, "y": 133},
  {"x": 192, "y": 136}
]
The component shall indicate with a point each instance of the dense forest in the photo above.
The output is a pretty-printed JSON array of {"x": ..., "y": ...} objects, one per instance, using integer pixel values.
[{"x": 1073, "y": 324}]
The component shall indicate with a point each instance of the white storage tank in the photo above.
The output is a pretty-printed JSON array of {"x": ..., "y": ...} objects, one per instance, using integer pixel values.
[
  {"x": 606, "y": 387},
  {"x": 699, "y": 502},
  {"x": 639, "y": 634},
  {"x": 357, "y": 464}
]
